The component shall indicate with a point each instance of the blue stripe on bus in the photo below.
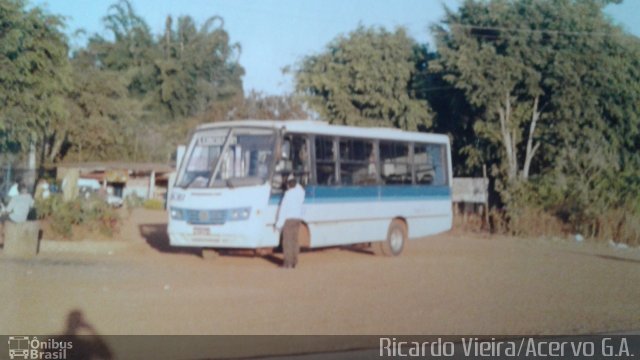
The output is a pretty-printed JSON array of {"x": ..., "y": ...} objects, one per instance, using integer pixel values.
[{"x": 338, "y": 194}]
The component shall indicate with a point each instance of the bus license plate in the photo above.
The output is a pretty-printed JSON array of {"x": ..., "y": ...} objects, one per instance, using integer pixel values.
[{"x": 201, "y": 231}]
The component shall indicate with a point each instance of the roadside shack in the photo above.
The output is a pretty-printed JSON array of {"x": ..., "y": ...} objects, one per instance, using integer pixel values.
[{"x": 123, "y": 179}]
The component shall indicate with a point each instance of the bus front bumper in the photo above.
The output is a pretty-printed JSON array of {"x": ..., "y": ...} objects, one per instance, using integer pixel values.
[
  {"x": 212, "y": 240},
  {"x": 239, "y": 236}
]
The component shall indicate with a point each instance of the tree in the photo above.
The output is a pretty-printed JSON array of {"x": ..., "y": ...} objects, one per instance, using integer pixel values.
[
  {"x": 176, "y": 75},
  {"x": 453, "y": 115},
  {"x": 131, "y": 52},
  {"x": 364, "y": 79},
  {"x": 555, "y": 85},
  {"x": 109, "y": 117},
  {"x": 134, "y": 82},
  {"x": 532, "y": 67},
  {"x": 34, "y": 76},
  {"x": 199, "y": 67}
]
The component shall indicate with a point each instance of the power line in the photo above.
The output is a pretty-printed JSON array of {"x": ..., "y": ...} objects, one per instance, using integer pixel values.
[{"x": 538, "y": 31}]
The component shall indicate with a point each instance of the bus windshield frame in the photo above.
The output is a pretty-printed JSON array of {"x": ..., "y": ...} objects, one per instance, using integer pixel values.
[{"x": 229, "y": 157}]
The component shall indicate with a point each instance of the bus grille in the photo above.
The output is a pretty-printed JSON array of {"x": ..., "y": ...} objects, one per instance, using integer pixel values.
[{"x": 205, "y": 217}]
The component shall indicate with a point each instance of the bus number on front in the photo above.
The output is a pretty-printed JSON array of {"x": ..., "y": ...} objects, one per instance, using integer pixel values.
[{"x": 211, "y": 140}]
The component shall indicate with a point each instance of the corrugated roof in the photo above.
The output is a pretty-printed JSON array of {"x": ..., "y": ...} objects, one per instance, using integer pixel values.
[{"x": 119, "y": 165}]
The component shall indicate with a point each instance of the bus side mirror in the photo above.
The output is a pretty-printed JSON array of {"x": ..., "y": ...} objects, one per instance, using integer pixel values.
[{"x": 285, "y": 150}]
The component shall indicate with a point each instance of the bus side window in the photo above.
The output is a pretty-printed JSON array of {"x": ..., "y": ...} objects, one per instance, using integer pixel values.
[
  {"x": 438, "y": 155},
  {"x": 296, "y": 162},
  {"x": 424, "y": 166},
  {"x": 325, "y": 161},
  {"x": 282, "y": 169},
  {"x": 395, "y": 163},
  {"x": 431, "y": 164},
  {"x": 300, "y": 159},
  {"x": 357, "y": 162}
]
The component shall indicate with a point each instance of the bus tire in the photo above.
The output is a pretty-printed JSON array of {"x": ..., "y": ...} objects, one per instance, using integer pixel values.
[{"x": 395, "y": 241}]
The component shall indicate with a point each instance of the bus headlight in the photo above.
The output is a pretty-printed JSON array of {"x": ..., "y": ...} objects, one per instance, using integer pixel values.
[
  {"x": 239, "y": 214},
  {"x": 177, "y": 214}
]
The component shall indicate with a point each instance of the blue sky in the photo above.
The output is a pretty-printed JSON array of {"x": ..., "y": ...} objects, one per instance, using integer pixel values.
[{"x": 278, "y": 33}]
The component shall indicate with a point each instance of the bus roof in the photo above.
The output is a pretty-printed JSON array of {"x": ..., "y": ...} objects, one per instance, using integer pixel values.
[{"x": 324, "y": 128}]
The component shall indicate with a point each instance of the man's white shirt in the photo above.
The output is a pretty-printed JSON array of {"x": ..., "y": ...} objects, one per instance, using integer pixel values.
[
  {"x": 291, "y": 206},
  {"x": 19, "y": 207}
]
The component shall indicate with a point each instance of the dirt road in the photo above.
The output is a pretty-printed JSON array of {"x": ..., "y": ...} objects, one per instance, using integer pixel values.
[{"x": 448, "y": 284}]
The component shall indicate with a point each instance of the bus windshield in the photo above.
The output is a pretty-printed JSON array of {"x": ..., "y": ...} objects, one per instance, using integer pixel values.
[{"x": 229, "y": 158}]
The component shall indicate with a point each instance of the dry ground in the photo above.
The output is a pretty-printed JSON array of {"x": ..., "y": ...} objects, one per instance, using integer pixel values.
[{"x": 447, "y": 284}]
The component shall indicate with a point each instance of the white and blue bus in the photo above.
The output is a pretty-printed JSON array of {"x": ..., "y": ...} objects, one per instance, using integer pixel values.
[{"x": 363, "y": 185}]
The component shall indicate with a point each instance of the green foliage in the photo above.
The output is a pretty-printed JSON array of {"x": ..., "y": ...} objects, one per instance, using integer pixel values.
[
  {"x": 555, "y": 90},
  {"x": 153, "y": 204},
  {"x": 588, "y": 191},
  {"x": 139, "y": 83},
  {"x": 566, "y": 55},
  {"x": 198, "y": 67},
  {"x": 100, "y": 102},
  {"x": 176, "y": 75},
  {"x": 92, "y": 214},
  {"x": 133, "y": 201},
  {"x": 365, "y": 79},
  {"x": 34, "y": 76},
  {"x": 452, "y": 113}
]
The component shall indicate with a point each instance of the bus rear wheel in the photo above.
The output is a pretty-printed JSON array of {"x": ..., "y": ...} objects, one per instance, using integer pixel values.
[{"x": 395, "y": 241}]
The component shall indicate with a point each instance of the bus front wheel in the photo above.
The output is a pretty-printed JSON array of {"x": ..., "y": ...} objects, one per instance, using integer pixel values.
[{"x": 394, "y": 243}]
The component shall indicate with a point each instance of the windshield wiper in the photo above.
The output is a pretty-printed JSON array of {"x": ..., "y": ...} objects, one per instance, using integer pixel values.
[
  {"x": 194, "y": 180},
  {"x": 244, "y": 181}
]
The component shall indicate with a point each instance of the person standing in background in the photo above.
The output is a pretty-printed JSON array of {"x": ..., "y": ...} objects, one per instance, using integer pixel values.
[
  {"x": 18, "y": 209},
  {"x": 19, "y": 206}
]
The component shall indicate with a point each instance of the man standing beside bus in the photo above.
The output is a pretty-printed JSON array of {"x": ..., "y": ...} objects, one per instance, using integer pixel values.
[{"x": 290, "y": 220}]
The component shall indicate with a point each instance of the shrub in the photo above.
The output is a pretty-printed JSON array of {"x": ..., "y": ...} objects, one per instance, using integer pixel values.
[
  {"x": 498, "y": 221},
  {"x": 531, "y": 221},
  {"x": 607, "y": 208},
  {"x": 100, "y": 216},
  {"x": 153, "y": 204},
  {"x": 133, "y": 201},
  {"x": 620, "y": 225},
  {"x": 93, "y": 213}
]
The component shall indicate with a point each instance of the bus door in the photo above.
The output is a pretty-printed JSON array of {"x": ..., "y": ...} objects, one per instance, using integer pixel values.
[{"x": 295, "y": 160}]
